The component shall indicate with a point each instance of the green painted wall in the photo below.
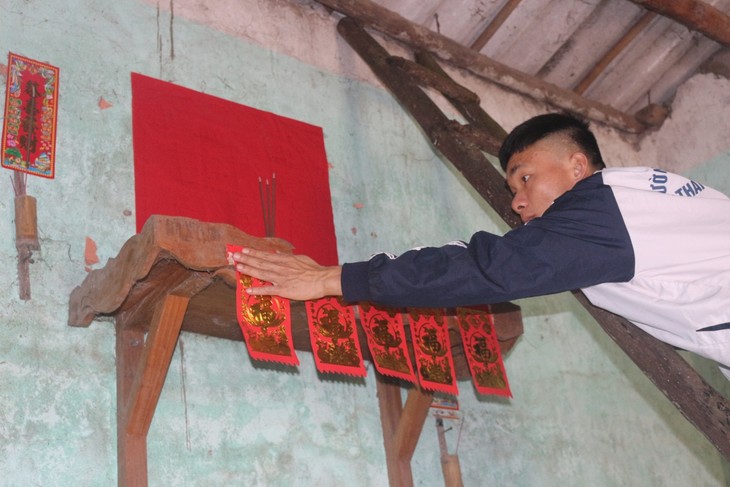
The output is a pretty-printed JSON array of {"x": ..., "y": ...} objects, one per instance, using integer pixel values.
[{"x": 581, "y": 413}]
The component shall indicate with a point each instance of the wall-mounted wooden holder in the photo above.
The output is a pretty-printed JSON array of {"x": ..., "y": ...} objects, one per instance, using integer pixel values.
[{"x": 26, "y": 240}]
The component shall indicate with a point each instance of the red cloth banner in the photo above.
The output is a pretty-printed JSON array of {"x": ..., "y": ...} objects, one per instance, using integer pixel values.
[
  {"x": 265, "y": 321},
  {"x": 386, "y": 339},
  {"x": 199, "y": 156},
  {"x": 432, "y": 349},
  {"x": 31, "y": 111},
  {"x": 333, "y": 332},
  {"x": 482, "y": 351}
]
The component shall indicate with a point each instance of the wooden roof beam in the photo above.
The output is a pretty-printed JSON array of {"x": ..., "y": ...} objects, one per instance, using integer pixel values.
[
  {"x": 420, "y": 38},
  {"x": 495, "y": 24},
  {"x": 695, "y": 15},
  {"x": 613, "y": 53}
]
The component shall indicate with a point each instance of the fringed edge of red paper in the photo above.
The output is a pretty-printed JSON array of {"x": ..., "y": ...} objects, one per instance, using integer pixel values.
[
  {"x": 346, "y": 318},
  {"x": 286, "y": 359},
  {"x": 417, "y": 319}
]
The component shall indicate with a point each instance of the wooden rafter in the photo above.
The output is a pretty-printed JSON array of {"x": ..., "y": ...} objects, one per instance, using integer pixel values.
[
  {"x": 449, "y": 51},
  {"x": 695, "y": 15},
  {"x": 495, "y": 24},
  {"x": 613, "y": 53}
]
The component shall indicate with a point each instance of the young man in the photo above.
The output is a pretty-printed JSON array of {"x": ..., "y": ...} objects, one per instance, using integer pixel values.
[{"x": 651, "y": 246}]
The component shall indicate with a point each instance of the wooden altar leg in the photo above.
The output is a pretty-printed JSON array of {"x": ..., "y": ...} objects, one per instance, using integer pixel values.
[
  {"x": 141, "y": 371},
  {"x": 131, "y": 451},
  {"x": 402, "y": 428}
]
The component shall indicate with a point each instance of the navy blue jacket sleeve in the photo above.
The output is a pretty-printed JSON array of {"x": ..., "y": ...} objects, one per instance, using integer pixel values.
[{"x": 580, "y": 241}]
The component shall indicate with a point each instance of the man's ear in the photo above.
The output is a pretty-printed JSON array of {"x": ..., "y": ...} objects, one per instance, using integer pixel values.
[{"x": 580, "y": 165}]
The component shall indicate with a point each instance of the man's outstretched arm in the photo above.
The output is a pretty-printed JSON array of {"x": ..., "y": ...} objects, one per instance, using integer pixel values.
[{"x": 292, "y": 276}]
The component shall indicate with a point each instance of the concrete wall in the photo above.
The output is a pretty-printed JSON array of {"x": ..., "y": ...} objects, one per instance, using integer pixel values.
[{"x": 582, "y": 414}]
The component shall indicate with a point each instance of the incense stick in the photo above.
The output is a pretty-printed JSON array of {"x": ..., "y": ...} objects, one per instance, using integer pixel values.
[
  {"x": 263, "y": 207},
  {"x": 272, "y": 215},
  {"x": 268, "y": 204}
]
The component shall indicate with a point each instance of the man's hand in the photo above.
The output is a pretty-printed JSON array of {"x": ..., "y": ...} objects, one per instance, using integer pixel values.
[{"x": 292, "y": 276}]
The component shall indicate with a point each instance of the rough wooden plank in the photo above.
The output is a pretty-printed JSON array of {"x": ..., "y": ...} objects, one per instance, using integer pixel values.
[
  {"x": 701, "y": 404},
  {"x": 195, "y": 246}
]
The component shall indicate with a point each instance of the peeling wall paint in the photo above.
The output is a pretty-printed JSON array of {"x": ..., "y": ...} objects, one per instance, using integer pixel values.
[{"x": 581, "y": 413}]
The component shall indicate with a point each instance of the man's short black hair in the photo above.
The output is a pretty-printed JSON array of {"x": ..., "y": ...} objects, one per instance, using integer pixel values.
[{"x": 541, "y": 126}]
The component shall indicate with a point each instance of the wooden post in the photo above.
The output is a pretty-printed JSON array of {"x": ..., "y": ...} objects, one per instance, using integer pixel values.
[
  {"x": 131, "y": 450},
  {"x": 402, "y": 427},
  {"x": 141, "y": 371}
]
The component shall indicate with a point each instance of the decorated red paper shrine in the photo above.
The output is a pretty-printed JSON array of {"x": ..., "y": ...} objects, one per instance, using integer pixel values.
[{"x": 29, "y": 128}]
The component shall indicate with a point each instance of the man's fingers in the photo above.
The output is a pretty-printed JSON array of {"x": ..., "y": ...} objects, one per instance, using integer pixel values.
[
  {"x": 262, "y": 260},
  {"x": 261, "y": 290},
  {"x": 263, "y": 255},
  {"x": 288, "y": 275}
]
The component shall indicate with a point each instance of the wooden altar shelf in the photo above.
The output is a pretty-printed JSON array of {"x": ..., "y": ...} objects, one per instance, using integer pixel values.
[{"x": 174, "y": 276}]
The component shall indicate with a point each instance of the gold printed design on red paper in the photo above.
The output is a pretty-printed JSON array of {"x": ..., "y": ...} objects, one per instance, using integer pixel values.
[
  {"x": 386, "y": 340},
  {"x": 432, "y": 348},
  {"x": 265, "y": 322},
  {"x": 482, "y": 351},
  {"x": 333, "y": 333},
  {"x": 266, "y": 316}
]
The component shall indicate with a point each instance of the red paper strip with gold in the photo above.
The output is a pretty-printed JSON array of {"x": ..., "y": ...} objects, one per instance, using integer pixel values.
[
  {"x": 333, "y": 332},
  {"x": 482, "y": 351},
  {"x": 432, "y": 348},
  {"x": 265, "y": 321},
  {"x": 29, "y": 129},
  {"x": 386, "y": 338}
]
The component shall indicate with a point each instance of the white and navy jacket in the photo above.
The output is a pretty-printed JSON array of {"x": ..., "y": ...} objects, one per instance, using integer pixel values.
[{"x": 651, "y": 246}]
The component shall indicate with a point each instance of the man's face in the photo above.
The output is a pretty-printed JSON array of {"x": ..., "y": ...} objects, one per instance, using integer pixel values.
[{"x": 540, "y": 174}]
